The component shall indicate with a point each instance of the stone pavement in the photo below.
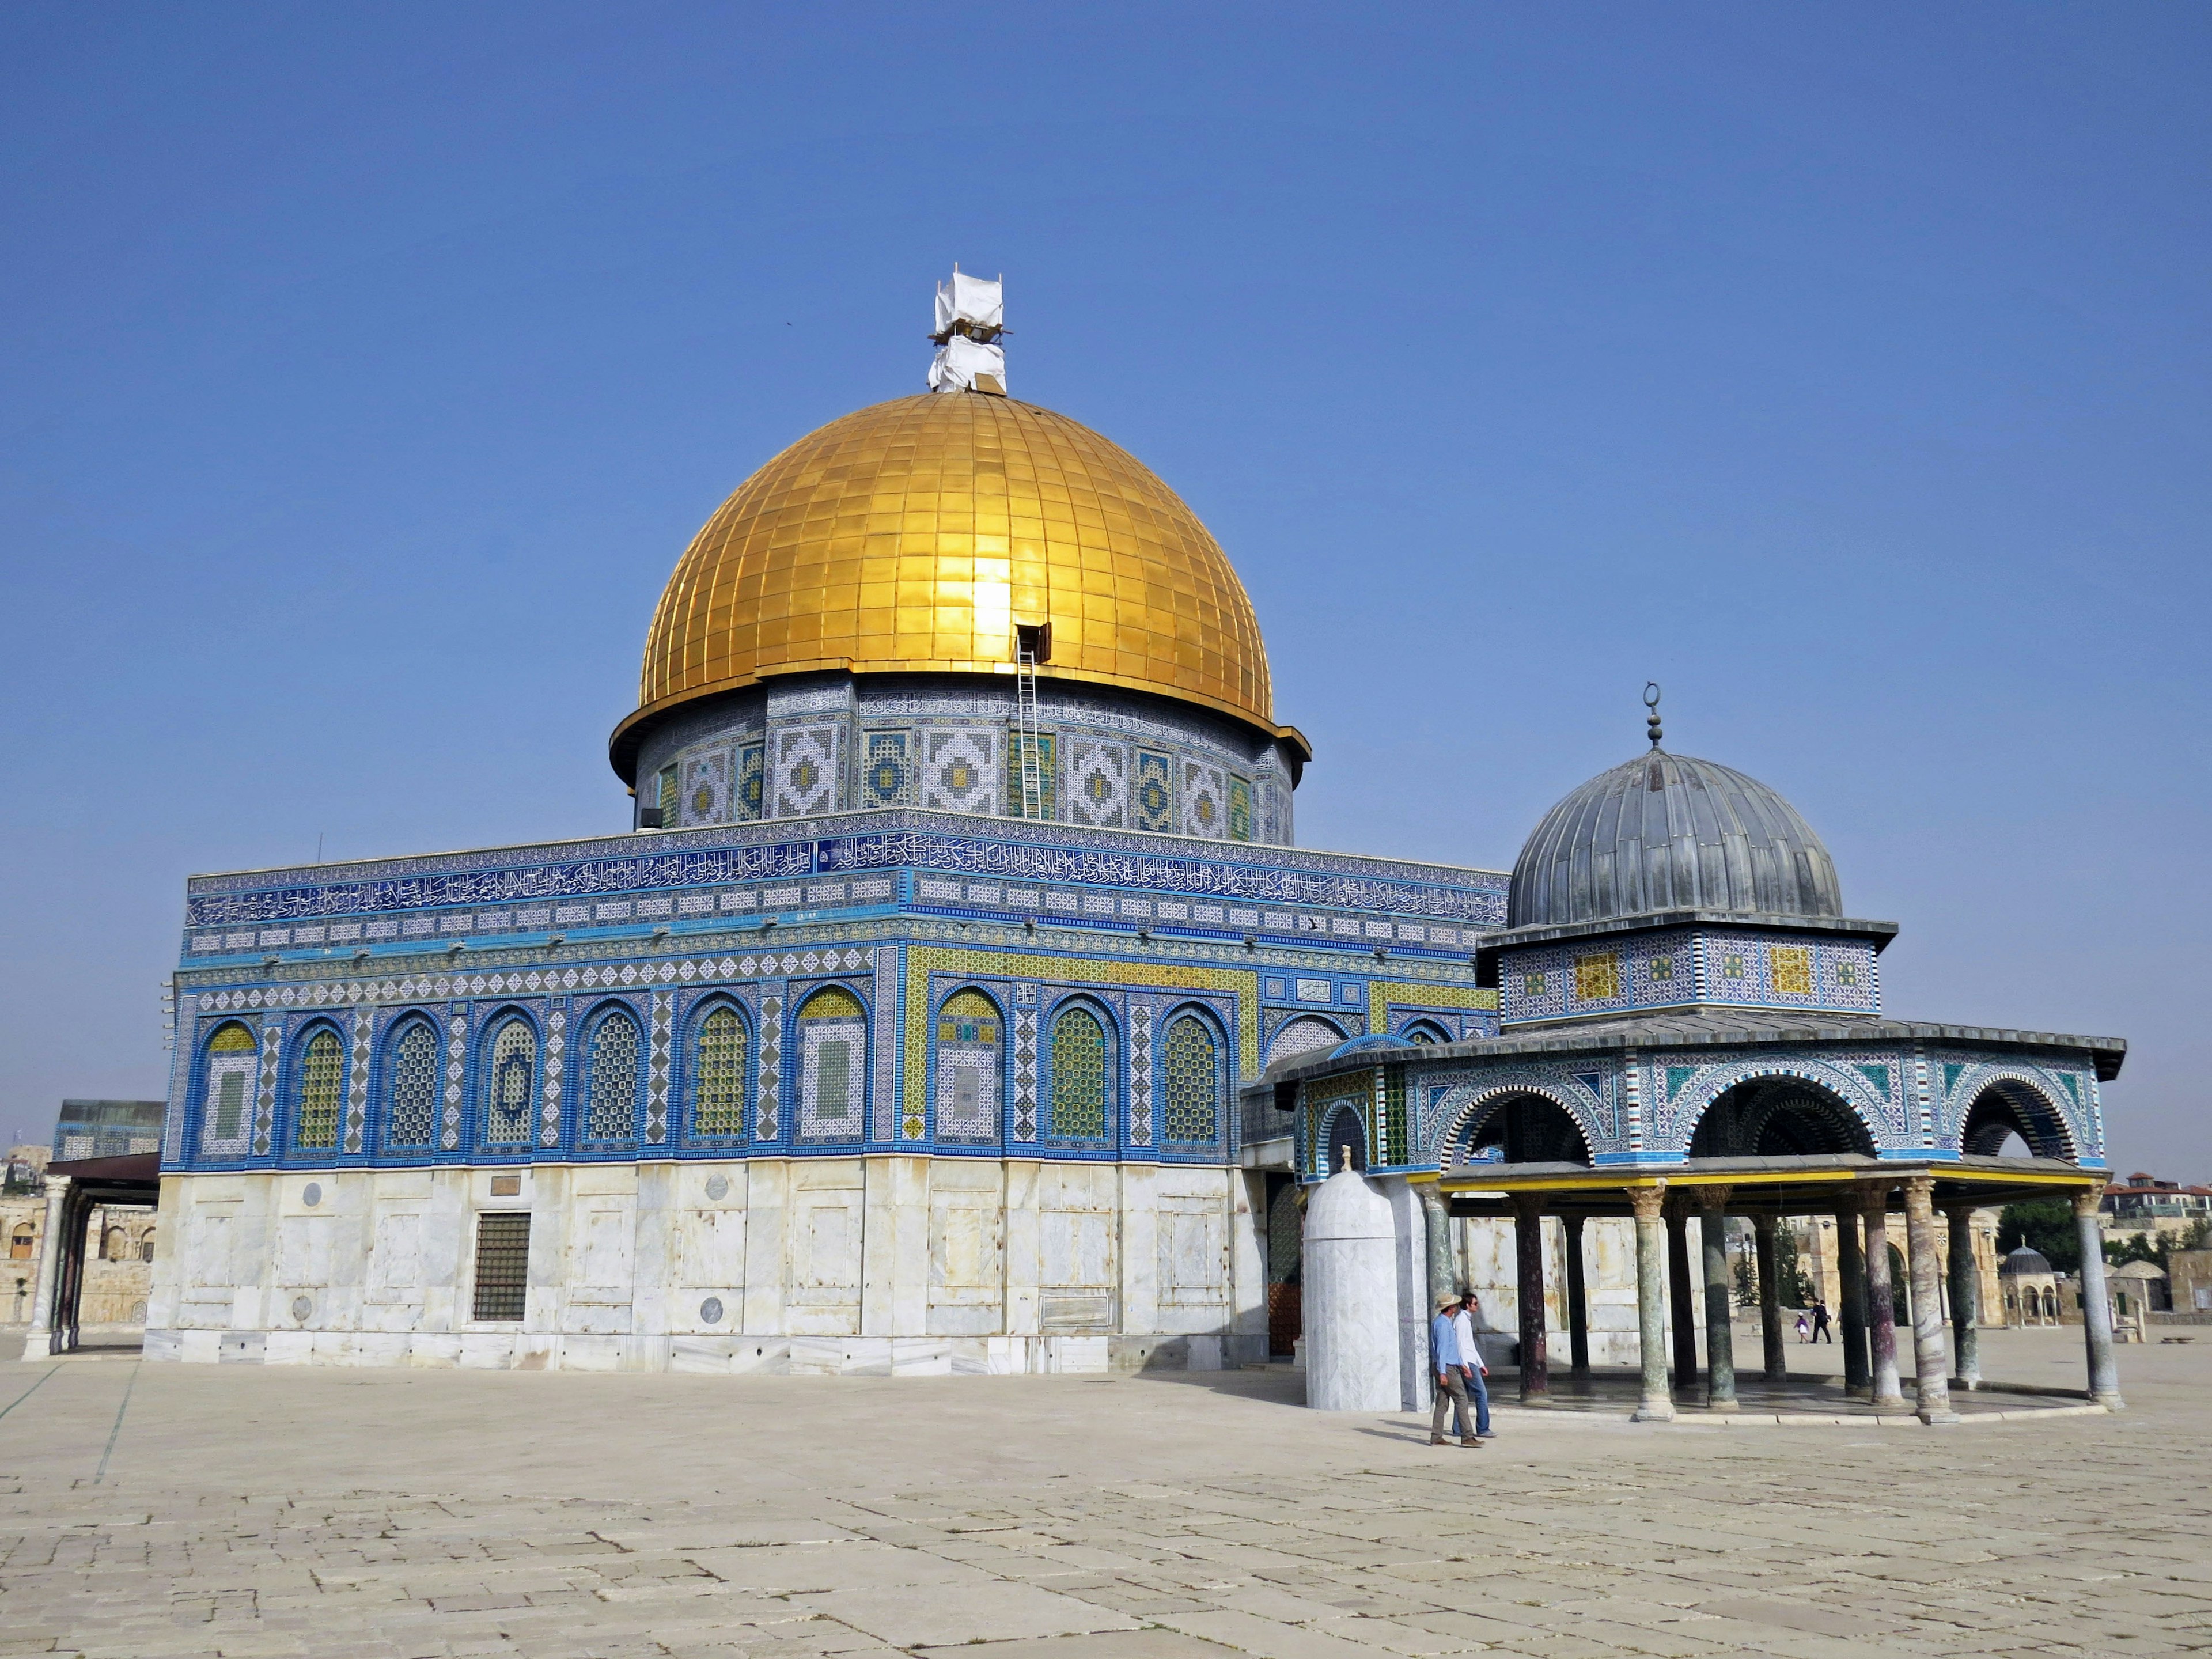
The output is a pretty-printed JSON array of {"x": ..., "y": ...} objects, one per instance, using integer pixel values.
[{"x": 152, "y": 1510}]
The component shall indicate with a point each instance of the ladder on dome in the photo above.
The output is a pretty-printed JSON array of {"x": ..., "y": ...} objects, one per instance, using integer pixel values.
[{"x": 1026, "y": 733}]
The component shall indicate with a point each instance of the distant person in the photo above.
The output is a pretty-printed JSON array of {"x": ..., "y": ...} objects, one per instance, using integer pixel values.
[
  {"x": 1804, "y": 1328},
  {"x": 1821, "y": 1331},
  {"x": 1471, "y": 1366},
  {"x": 1451, "y": 1385}
]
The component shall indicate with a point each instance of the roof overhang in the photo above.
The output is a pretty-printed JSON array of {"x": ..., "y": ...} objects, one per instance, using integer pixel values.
[{"x": 1762, "y": 1186}]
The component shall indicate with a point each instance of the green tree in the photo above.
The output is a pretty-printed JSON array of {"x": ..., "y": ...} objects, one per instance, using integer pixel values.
[
  {"x": 1797, "y": 1289},
  {"x": 2044, "y": 1224}
]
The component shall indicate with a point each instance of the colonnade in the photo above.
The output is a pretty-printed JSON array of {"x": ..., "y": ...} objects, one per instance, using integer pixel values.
[{"x": 1867, "y": 1331}]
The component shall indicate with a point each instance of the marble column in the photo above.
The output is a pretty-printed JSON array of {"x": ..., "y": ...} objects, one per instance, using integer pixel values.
[
  {"x": 1770, "y": 1302},
  {"x": 1656, "y": 1406},
  {"x": 1851, "y": 1310},
  {"x": 1681, "y": 1295},
  {"x": 38, "y": 1340},
  {"x": 1932, "y": 1365},
  {"x": 1529, "y": 1263},
  {"x": 1577, "y": 1299},
  {"x": 1444, "y": 1275},
  {"x": 1720, "y": 1300},
  {"x": 1881, "y": 1313},
  {"x": 1966, "y": 1283},
  {"x": 2096, "y": 1310}
]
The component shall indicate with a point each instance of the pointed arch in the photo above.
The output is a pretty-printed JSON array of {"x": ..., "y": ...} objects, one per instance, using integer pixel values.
[
  {"x": 1343, "y": 1131},
  {"x": 318, "y": 1087},
  {"x": 1191, "y": 1073},
  {"x": 410, "y": 1082},
  {"x": 2010, "y": 1100},
  {"x": 614, "y": 1052},
  {"x": 1515, "y": 1123},
  {"x": 1779, "y": 1115},
  {"x": 969, "y": 1075},
  {"x": 1081, "y": 1071},
  {"x": 719, "y": 1046},
  {"x": 1425, "y": 1031},
  {"x": 1832, "y": 1086},
  {"x": 509, "y": 1050},
  {"x": 833, "y": 1065},
  {"x": 1304, "y": 1035},
  {"x": 230, "y": 1061}
]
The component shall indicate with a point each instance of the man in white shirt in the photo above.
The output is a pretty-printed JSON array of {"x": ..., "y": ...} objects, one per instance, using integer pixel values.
[{"x": 1470, "y": 1359}]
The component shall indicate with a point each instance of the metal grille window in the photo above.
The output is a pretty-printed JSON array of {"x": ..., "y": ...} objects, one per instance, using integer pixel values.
[
  {"x": 513, "y": 1073},
  {"x": 611, "y": 1112},
  {"x": 322, "y": 1080},
  {"x": 502, "y": 1265},
  {"x": 414, "y": 1099},
  {"x": 717, "y": 1089},
  {"x": 1079, "y": 1075},
  {"x": 1194, "y": 1087}
]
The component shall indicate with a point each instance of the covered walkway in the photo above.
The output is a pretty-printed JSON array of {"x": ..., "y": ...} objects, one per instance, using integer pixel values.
[
  {"x": 1861, "y": 1193},
  {"x": 74, "y": 1190}
]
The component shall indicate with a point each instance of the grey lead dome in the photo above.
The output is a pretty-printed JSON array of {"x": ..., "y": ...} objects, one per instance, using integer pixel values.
[{"x": 1665, "y": 832}]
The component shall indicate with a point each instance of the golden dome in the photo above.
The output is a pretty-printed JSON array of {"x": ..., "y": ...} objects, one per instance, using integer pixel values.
[{"x": 915, "y": 537}]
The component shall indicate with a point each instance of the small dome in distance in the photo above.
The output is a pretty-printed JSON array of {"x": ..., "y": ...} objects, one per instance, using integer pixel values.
[{"x": 2024, "y": 1260}]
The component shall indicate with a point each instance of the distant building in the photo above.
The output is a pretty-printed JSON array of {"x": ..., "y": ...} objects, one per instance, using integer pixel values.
[
  {"x": 108, "y": 1129},
  {"x": 2190, "y": 1279},
  {"x": 2144, "y": 1204}
]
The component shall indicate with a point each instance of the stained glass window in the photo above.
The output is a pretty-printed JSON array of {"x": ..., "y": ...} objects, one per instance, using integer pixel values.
[
  {"x": 322, "y": 1084},
  {"x": 412, "y": 1103},
  {"x": 514, "y": 1071},
  {"x": 1079, "y": 1074},
  {"x": 718, "y": 1075},
  {"x": 1193, "y": 1091},
  {"x": 611, "y": 1106}
]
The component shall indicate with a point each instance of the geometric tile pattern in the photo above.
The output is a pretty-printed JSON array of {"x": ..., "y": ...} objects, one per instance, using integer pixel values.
[
  {"x": 657, "y": 1069},
  {"x": 457, "y": 1044},
  {"x": 1140, "y": 1071},
  {"x": 356, "y": 1119},
  {"x": 1204, "y": 801},
  {"x": 1154, "y": 796},
  {"x": 1098, "y": 782},
  {"x": 808, "y": 761},
  {"x": 767, "y": 1120},
  {"x": 706, "y": 788},
  {"x": 970, "y": 1042},
  {"x": 960, "y": 770},
  {"x": 1026, "y": 1074},
  {"x": 1192, "y": 1082},
  {"x": 549, "y": 1110}
]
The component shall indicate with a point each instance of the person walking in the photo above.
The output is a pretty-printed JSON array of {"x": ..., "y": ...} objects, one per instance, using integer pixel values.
[
  {"x": 1821, "y": 1331},
  {"x": 1451, "y": 1386},
  {"x": 1471, "y": 1366},
  {"x": 1804, "y": 1329}
]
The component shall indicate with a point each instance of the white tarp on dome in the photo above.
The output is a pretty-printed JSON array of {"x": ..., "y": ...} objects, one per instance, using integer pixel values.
[
  {"x": 972, "y": 301},
  {"x": 962, "y": 365}
]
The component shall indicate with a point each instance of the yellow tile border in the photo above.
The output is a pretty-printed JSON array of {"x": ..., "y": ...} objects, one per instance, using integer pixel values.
[{"x": 923, "y": 960}]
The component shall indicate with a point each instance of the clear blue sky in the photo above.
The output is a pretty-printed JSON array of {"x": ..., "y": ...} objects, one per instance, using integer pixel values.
[{"x": 364, "y": 370}]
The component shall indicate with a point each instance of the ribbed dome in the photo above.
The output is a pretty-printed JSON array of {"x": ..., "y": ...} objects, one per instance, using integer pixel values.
[
  {"x": 2024, "y": 1260},
  {"x": 916, "y": 535},
  {"x": 1664, "y": 832}
]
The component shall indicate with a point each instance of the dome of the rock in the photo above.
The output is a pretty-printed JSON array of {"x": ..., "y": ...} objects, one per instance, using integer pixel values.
[{"x": 919, "y": 535}]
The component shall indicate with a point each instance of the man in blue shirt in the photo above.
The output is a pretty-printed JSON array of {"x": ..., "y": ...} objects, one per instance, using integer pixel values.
[{"x": 1451, "y": 1383}]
